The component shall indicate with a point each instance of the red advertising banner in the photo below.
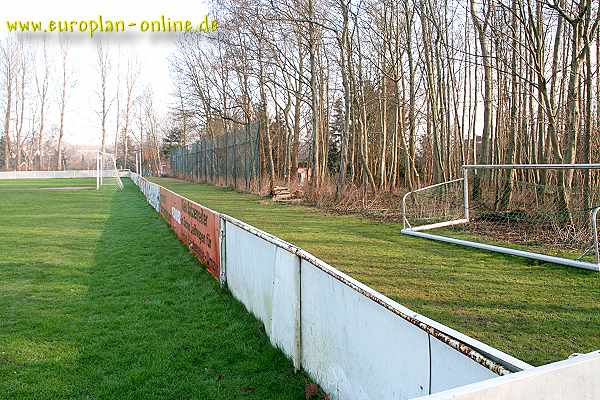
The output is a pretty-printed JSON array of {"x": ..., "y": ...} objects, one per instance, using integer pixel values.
[{"x": 197, "y": 227}]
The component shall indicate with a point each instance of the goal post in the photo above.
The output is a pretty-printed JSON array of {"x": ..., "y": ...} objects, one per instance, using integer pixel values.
[
  {"x": 107, "y": 173},
  {"x": 546, "y": 212}
]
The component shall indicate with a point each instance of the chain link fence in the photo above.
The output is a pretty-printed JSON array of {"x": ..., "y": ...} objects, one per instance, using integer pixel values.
[{"x": 232, "y": 159}]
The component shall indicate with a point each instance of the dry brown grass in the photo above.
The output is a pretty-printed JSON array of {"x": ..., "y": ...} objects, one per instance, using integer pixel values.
[{"x": 379, "y": 205}]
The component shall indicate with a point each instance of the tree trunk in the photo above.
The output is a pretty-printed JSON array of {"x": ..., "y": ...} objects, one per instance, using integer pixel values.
[
  {"x": 9, "y": 80},
  {"x": 487, "y": 95}
]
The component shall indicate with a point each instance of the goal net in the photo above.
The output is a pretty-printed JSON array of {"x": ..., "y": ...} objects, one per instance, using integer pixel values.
[
  {"x": 544, "y": 212},
  {"x": 107, "y": 173}
]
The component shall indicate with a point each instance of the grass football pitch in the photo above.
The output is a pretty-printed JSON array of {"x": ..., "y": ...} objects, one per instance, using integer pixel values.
[
  {"x": 535, "y": 311},
  {"x": 99, "y": 300}
]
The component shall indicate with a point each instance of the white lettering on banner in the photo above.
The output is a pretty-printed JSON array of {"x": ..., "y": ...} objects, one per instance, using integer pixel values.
[{"x": 176, "y": 214}]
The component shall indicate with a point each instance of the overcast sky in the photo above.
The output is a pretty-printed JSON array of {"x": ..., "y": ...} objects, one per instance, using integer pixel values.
[{"x": 151, "y": 49}]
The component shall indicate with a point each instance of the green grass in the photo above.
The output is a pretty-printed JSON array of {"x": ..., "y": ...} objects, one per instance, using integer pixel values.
[
  {"x": 41, "y": 184},
  {"x": 99, "y": 300},
  {"x": 535, "y": 311}
]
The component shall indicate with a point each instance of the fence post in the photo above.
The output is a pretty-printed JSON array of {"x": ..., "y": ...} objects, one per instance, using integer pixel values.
[
  {"x": 258, "y": 160},
  {"x": 223, "y": 251},
  {"x": 298, "y": 358},
  {"x": 466, "y": 192},
  {"x": 98, "y": 170},
  {"x": 234, "y": 153}
]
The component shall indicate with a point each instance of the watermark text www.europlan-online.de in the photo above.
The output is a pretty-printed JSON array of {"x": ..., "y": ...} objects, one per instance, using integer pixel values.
[{"x": 101, "y": 24}]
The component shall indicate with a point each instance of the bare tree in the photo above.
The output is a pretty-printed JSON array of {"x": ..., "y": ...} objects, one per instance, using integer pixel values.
[
  {"x": 104, "y": 66},
  {"x": 20, "y": 100},
  {"x": 8, "y": 63},
  {"x": 66, "y": 83},
  {"x": 130, "y": 85},
  {"x": 387, "y": 96},
  {"x": 41, "y": 83}
]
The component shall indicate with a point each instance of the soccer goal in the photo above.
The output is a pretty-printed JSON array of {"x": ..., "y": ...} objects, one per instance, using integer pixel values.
[
  {"x": 107, "y": 173},
  {"x": 546, "y": 212}
]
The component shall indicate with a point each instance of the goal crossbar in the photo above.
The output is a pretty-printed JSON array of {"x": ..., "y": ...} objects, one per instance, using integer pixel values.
[
  {"x": 531, "y": 166},
  {"x": 418, "y": 231}
]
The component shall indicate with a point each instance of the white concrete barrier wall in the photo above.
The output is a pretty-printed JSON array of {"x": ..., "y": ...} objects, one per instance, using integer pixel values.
[
  {"x": 88, "y": 173},
  {"x": 342, "y": 333},
  {"x": 356, "y": 348},
  {"x": 577, "y": 378},
  {"x": 358, "y": 344},
  {"x": 150, "y": 190},
  {"x": 265, "y": 278}
]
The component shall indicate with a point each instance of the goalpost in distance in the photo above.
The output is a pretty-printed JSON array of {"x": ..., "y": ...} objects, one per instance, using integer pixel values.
[
  {"x": 546, "y": 212},
  {"x": 107, "y": 172}
]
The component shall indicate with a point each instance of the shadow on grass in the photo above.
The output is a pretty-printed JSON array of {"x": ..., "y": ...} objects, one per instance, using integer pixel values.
[
  {"x": 157, "y": 326},
  {"x": 46, "y": 253}
]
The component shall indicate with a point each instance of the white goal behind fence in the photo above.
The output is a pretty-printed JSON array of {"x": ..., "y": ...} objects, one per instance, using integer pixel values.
[
  {"x": 546, "y": 212},
  {"x": 107, "y": 173}
]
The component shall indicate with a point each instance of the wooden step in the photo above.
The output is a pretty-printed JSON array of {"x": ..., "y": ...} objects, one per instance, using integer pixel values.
[{"x": 284, "y": 196}]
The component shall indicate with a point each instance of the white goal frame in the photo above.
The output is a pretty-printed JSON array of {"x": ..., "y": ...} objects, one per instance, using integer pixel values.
[
  {"x": 418, "y": 231},
  {"x": 100, "y": 170}
]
